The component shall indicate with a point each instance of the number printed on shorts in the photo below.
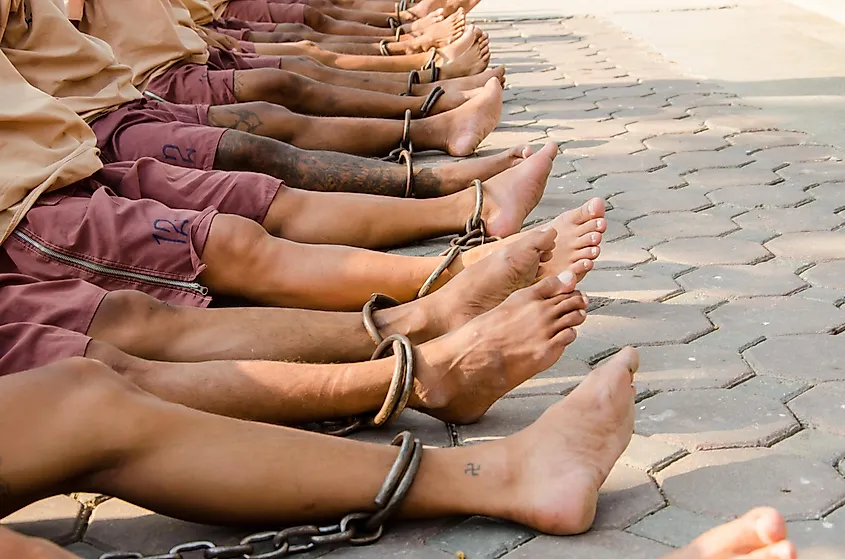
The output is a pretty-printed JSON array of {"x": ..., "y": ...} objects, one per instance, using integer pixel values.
[
  {"x": 170, "y": 232},
  {"x": 168, "y": 152}
]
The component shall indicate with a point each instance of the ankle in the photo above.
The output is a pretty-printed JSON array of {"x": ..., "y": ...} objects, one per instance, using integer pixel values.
[{"x": 418, "y": 320}]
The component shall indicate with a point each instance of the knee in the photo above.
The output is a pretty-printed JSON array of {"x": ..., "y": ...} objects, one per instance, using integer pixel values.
[
  {"x": 88, "y": 384},
  {"x": 314, "y": 18},
  {"x": 19, "y": 546},
  {"x": 241, "y": 246},
  {"x": 300, "y": 61},
  {"x": 125, "y": 318}
]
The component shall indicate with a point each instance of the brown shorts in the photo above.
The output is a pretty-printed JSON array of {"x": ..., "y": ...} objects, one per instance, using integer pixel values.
[
  {"x": 134, "y": 241},
  {"x": 175, "y": 134},
  {"x": 207, "y": 84},
  {"x": 235, "y": 24},
  {"x": 42, "y": 322},
  {"x": 25, "y": 345},
  {"x": 246, "y": 46},
  {"x": 259, "y": 10}
]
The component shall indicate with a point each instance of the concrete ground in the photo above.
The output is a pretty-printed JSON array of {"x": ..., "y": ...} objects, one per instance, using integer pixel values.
[{"x": 724, "y": 263}]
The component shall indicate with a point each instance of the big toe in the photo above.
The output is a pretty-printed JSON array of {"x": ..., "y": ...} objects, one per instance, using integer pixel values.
[
  {"x": 592, "y": 209},
  {"x": 756, "y": 530}
]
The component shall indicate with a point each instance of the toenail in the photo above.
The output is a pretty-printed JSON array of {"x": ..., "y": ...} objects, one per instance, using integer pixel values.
[
  {"x": 583, "y": 312},
  {"x": 586, "y": 300},
  {"x": 595, "y": 251},
  {"x": 566, "y": 277}
]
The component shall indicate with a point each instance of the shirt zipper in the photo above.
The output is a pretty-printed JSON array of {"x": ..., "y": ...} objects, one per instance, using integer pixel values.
[{"x": 110, "y": 271}]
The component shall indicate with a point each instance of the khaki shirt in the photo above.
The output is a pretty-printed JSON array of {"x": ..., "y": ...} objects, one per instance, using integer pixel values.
[
  {"x": 201, "y": 11},
  {"x": 219, "y": 7},
  {"x": 54, "y": 57},
  {"x": 44, "y": 145},
  {"x": 144, "y": 35}
]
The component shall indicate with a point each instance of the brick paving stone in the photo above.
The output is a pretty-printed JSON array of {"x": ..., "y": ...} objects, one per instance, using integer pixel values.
[
  {"x": 628, "y": 284},
  {"x": 764, "y": 279},
  {"x": 120, "y": 525},
  {"x": 645, "y": 323},
  {"x": 594, "y": 167},
  {"x": 815, "y": 172},
  {"x": 761, "y": 196},
  {"x": 810, "y": 247},
  {"x": 673, "y": 526},
  {"x": 84, "y": 550},
  {"x": 675, "y": 143},
  {"x": 622, "y": 103},
  {"x": 650, "y": 454},
  {"x": 688, "y": 366},
  {"x": 682, "y": 225},
  {"x": 615, "y": 231},
  {"x": 812, "y": 443},
  {"x": 505, "y": 417},
  {"x": 560, "y": 378},
  {"x": 626, "y": 93},
  {"x": 689, "y": 161},
  {"x": 668, "y": 126},
  {"x": 832, "y": 195},
  {"x": 809, "y": 217},
  {"x": 616, "y": 146},
  {"x": 627, "y": 495},
  {"x": 481, "y": 538},
  {"x": 812, "y": 358},
  {"x": 53, "y": 518},
  {"x": 656, "y": 180},
  {"x": 734, "y": 119},
  {"x": 692, "y": 100},
  {"x": 801, "y": 489},
  {"x": 720, "y": 178},
  {"x": 604, "y": 544},
  {"x": 768, "y": 139},
  {"x": 818, "y": 539},
  {"x": 430, "y": 431},
  {"x": 826, "y": 274},
  {"x": 710, "y": 251},
  {"x": 647, "y": 201},
  {"x": 715, "y": 418},
  {"x": 773, "y": 388},
  {"x": 797, "y": 154},
  {"x": 822, "y": 407},
  {"x": 646, "y": 114},
  {"x": 555, "y": 105},
  {"x": 587, "y": 129},
  {"x": 621, "y": 254},
  {"x": 776, "y": 316}
]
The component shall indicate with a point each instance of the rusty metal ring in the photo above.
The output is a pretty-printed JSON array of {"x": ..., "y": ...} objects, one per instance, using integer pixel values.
[
  {"x": 382, "y": 47},
  {"x": 410, "y": 185},
  {"x": 402, "y": 382},
  {"x": 399, "y": 33},
  {"x": 433, "y": 96},
  {"x": 476, "y": 221},
  {"x": 393, "y": 22},
  {"x": 431, "y": 60},
  {"x": 449, "y": 256},
  {"x": 406, "y": 133},
  {"x": 435, "y": 73},
  {"x": 405, "y": 442},
  {"x": 378, "y": 301},
  {"x": 413, "y": 79},
  {"x": 404, "y": 486}
]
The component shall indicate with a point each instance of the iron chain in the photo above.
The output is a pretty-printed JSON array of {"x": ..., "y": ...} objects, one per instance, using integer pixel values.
[{"x": 357, "y": 528}]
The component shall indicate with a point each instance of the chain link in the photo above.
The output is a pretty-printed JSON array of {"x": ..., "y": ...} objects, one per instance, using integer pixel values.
[{"x": 357, "y": 528}]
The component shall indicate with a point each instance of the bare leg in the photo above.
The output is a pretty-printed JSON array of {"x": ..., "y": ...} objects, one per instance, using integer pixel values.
[
  {"x": 106, "y": 436},
  {"x": 142, "y": 326},
  {"x": 307, "y": 96},
  {"x": 457, "y": 132},
  {"x": 337, "y": 172}
]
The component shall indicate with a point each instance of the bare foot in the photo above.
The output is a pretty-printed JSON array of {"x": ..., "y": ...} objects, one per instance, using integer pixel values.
[
  {"x": 510, "y": 196},
  {"x": 465, "y": 83},
  {"x": 462, "y": 44},
  {"x": 759, "y": 534},
  {"x": 454, "y": 177},
  {"x": 444, "y": 33},
  {"x": 462, "y": 129},
  {"x": 579, "y": 234},
  {"x": 419, "y": 25},
  {"x": 560, "y": 462},
  {"x": 448, "y": 6},
  {"x": 453, "y": 99},
  {"x": 460, "y": 375}
]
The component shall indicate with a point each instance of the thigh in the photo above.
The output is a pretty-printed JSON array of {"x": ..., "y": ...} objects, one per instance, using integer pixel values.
[
  {"x": 228, "y": 60},
  {"x": 175, "y": 134},
  {"x": 27, "y": 345},
  {"x": 248, "y": 195},
  {"x": 114, "y": 243},
  {"x": 195, "y": 84}
]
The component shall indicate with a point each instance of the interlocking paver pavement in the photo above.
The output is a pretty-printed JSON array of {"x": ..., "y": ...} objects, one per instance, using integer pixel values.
[{"x": 738, "y": 325}]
